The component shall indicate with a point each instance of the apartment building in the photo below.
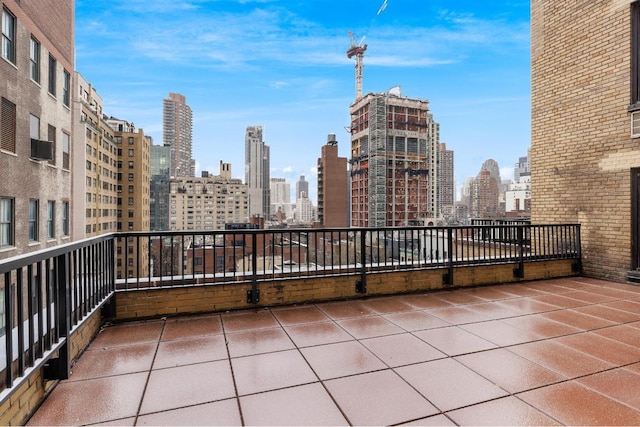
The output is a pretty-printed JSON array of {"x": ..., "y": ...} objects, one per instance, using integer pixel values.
[
  {"x": 177, "y": 133},
  {"x": 446, "y": 183},
  {"x": 95, "y": 197},
  {"x": 333, "y": 200},
  {"x": 133, "y": 194},
  {"x": 585, "y": 149},
  {"x": 208, "y": 202},
  {"x": 256, "y": 172},
  {"x": 36, "y": 126},
  {"x": 280, "y": 197},
  {"x": 160, "y": 187},
  {"x": 394, "y": 161}
]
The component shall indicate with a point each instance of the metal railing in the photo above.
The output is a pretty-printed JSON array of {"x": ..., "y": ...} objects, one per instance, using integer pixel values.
[
  {"x": 44, "y": 296},
  {"x": 186, "y": 258}
]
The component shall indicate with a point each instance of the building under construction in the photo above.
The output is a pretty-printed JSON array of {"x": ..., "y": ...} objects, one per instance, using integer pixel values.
[{"x": 394, "y": 161}]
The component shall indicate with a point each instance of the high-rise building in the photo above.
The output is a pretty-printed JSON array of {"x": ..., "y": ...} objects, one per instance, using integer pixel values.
[
  {"x": 208, "y": 202},
  {"x": 521, "y": 167},
  {"x": 280, "y": 197},
  {"x": 394, "y": 161},
  {"x": 95, "y": 197},
  {"x": 177, "y": 123},
  {"x": 159, "y": 186},
  {"x": 485, "y": 192},
  {"x": 302, "y": 185},
  {"x": 133, "y": 195},
  {"x": 333, "y": 201},
  {"x": 446, "y": 184},
  {"x": 304, "y": 209},
  {"x": 36, "y": 83},
  {"x": 256, "y": 172}
]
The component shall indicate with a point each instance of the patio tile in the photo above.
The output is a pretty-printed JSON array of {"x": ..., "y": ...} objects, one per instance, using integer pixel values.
[
  {"x": 187, "y": 351},
  {"x": 345, "y": 309},
  {"x": 130, "y": 333},
  {"x": 491, "y": 293},
  {"x": 501, "y": 333},
  {"x": 619, "y": 384},
  {"x": 508, "y": 370},
  {"x": 454, "y": 340},
  {"x": 589, "y": 297},
  {"x": 103, "y": 362},
  {"x": 425, "y": 301},
  {"x": 574, "y": 404},
  {"x": 387, "y": 305},
  {"x": 368, "y": 327},
  {"x": 378, "y": 398},
  {"x": 449, "y": 384},
  {"x": 341, "y": 359},
  {"x": 578, "y": 320},
  {"x": 221, "y": 413},
  {"x": 603, "y": 348},
  {"x": 92, "y": 401},
  {"x": 416, "y": 320},
  {"x": 131, "y": 421},
  {"x": 527, "y": 306},
  {"x": 541, "y": 326},
  {"x": 609, "y": 313},
  {"x": 302, "y": 314},
  {"x": 458, "y": 297},
  {"x": 458, "y": 315},
  {"x": 493, "y": 310},
  {"x": 436, "y": 420},
  {"x": 403, "y": 349},
  {"x": 305, "y": 405},
  {"x": 624, "y": 333},
  {"x": 247, "y": 320},
  {"x": 258, "y": 341},
  {"x": 310, "y": 334},
  {"x": 560, "y": 301},
  {"x": 192, "y": 326},
  {"x": 188, "y": 385},
  {"x": 508, "y": 411},
  {"x": 561, "y": 359},
  {"x": 271, "y": 371}
]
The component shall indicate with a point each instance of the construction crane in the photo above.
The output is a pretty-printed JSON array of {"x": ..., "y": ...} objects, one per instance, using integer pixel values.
[{"x": 357, "y": 49}]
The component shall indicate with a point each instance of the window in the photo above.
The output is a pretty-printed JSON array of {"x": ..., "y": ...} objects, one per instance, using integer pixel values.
[
  {"x": 8, "y": 36},
  {"x": 66, "y": 139},
  {"x": 33, "y": 220},
  {"x": 130, "y": 201},
  {"x": 52, "y": 75},
  {"x": 131, "y": 165},
  {"x": 66, "y": 88},
  {"x": 8, "y": 126},
  {"x": 52, "y": 138},
  {"x": 34, "y": 58},
  {"x": 131, "y": 177},
  {"x": 130, "y": 152},
  {"x": 34, "y": 126},
  {"x": 65, "y": 218},
  {"x": 130, "y": 139},
  {"x": 51, "y": 216},
  {"x": 6, "y": 222},
  {"x": 131, "y": 189}
]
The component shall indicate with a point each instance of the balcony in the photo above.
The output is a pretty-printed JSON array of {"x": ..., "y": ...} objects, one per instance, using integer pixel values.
[{"x": 286, "y": 328}]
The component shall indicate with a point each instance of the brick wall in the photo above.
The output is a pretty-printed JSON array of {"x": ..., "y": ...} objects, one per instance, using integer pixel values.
[
  {"x": 581, "y": 150},
  {"x": 152, "y": 303}
]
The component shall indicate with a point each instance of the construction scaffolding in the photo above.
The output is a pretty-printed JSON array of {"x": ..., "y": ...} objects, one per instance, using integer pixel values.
[{"x": 378, "y": 162}]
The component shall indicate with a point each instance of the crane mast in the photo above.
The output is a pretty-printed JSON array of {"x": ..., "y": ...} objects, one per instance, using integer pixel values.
[{"x": 357, "y": 49}]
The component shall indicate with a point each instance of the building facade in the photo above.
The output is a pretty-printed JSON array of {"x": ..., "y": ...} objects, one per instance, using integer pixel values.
[
  {"x": 280, "y": 197},
  {"x": 256, "y": 172},
  {"x": 333, "y": 200},
  {"x": 160, "y": 168},
  {"x": 208, "y": 202},
  {"x": 36, "y": 126},
  {"x": 177, "y": 126},
  {"x": 585, "y": 150},
  {"x": 485, "y": 192},
  {"x": 446, "y": 183},
  {"x": 394, "y": 161},
  {"x": 302, "y": 185},
  {"x": 518, "y": 197}
]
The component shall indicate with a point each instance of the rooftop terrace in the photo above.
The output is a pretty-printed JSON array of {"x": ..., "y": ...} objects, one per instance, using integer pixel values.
[{"x": 561, "y": 351}]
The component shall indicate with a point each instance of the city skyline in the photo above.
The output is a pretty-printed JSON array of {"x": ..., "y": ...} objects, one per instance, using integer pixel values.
[{"x": 284, "y": 66}]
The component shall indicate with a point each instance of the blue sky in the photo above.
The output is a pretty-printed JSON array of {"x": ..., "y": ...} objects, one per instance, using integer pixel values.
[{"x": 283, "y": 65}]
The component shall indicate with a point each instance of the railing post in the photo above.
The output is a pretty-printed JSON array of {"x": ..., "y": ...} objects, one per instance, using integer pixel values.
[
  {"x": 577, "y": 266},
  {"x": 253, "y": 295},
  {"x": 519, "y": 272},
  {"x": 361, "y": 285},
  {"x": 447, "y": 280},
  {"x": 60, "y": 367}
]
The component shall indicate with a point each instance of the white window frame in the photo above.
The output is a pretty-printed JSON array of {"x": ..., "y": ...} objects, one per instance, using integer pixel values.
[
  {"x": 51, "y": 219},
  {"x": 8, "y": 36},
  {"x": 7, "y": 222},
  {"x": 34, "y": 213}
]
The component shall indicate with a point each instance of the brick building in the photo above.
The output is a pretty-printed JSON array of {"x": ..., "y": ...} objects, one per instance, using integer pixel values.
[
  {"x": 36, "y": 69},
  {"x": 585, "y": 153},
  {"x": 333, "y": 208}
]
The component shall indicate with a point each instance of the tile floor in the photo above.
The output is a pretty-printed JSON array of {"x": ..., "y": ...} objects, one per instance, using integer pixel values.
[{"x": 556, "y": 352}]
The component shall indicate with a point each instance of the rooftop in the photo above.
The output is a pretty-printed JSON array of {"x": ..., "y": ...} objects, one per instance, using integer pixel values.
[{"x": 562, "y": 351}]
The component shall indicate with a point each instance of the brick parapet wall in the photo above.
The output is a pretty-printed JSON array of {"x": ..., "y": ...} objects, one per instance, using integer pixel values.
[{"x": 581, "y": 151}]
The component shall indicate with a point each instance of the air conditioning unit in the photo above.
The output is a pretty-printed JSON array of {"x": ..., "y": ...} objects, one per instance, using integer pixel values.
[
  {"x": 635, "y": 124},
  {"x": 41, "y": 150}
]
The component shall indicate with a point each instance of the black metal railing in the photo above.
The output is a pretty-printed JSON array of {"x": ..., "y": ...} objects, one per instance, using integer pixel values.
[
  {"x": 44, "y": 296},
  {"x": 148, "y": 259}
]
